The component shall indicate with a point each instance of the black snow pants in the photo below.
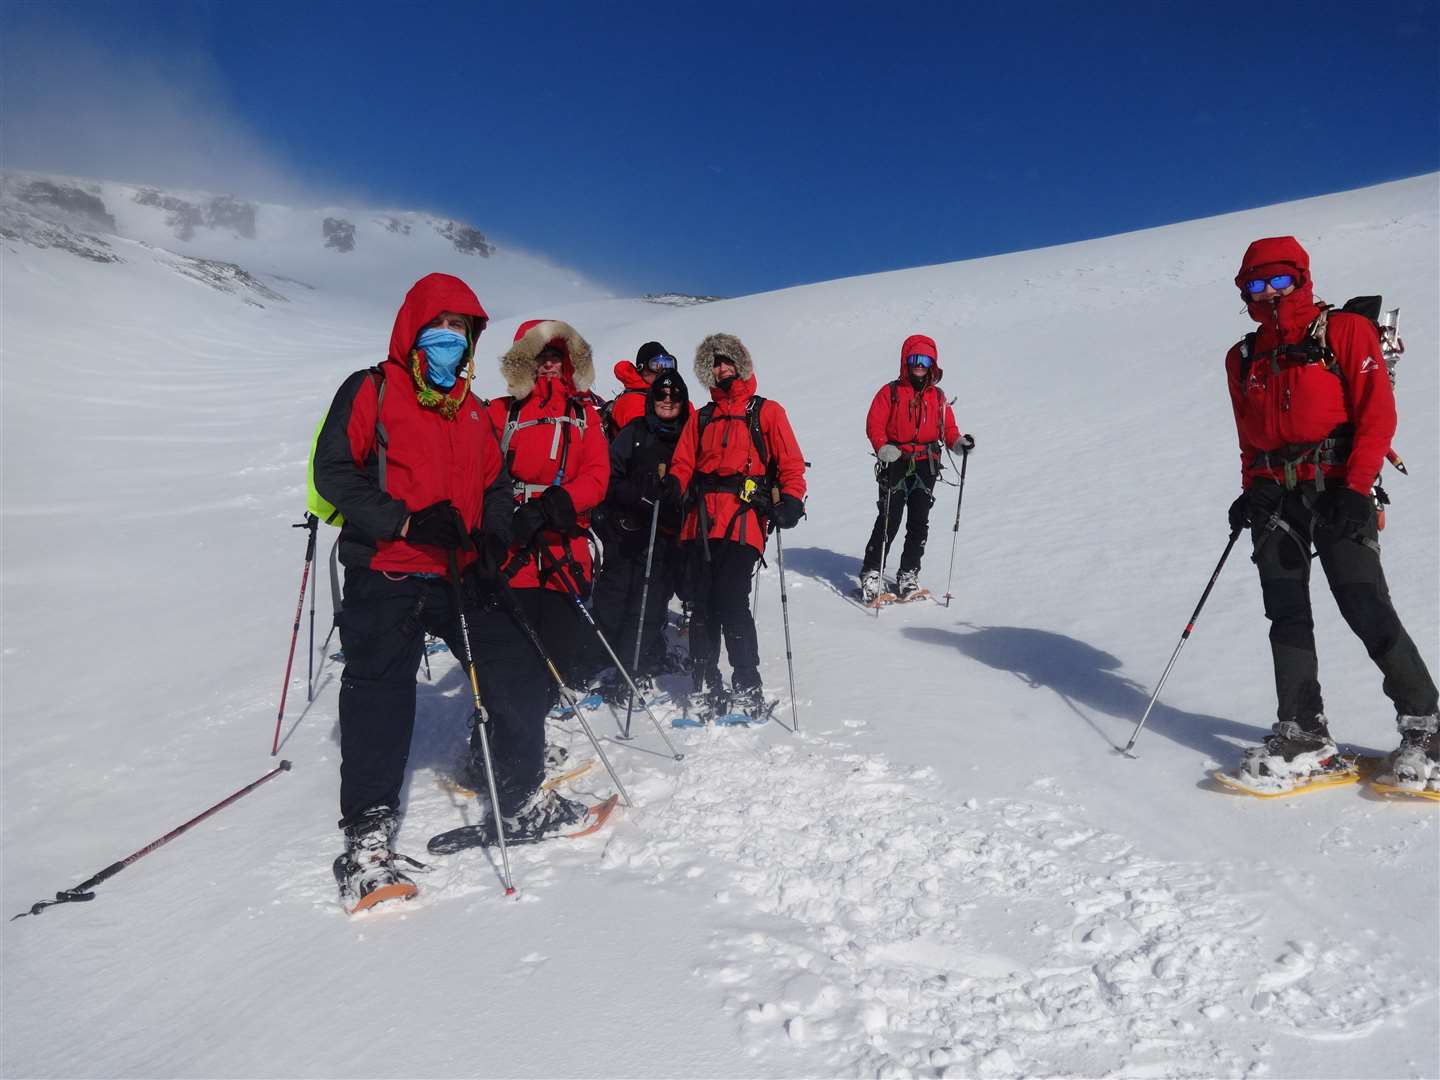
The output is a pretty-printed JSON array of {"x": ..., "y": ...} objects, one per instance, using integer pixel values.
[
  {"x": 616, "y": 601},
  {"x": 912, "y": 497},
  {"x": 720, "y": 606},
  {"x": 1352, "y": 568},
  {"x": 383, "y": 624}
]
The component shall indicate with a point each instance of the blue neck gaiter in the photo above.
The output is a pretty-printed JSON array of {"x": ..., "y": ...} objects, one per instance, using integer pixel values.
[{"x": 444, "y": 349}]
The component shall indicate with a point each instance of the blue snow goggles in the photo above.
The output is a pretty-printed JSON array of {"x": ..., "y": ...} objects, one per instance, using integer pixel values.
[
  {"x": 919, "y": 360},
  {"x": 663, "y": 362},
  {"x": 1255, "y": 286}
]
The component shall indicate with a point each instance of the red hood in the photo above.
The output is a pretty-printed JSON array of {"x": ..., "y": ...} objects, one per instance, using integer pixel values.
[
  {"x": 919, "y": 343},
  {"x": 1290, "y": 315},
  {"x": 629, "y": 376},
  {"x": 427, "y": 298}
]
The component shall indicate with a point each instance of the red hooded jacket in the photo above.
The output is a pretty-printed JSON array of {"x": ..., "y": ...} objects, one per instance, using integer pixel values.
[
  {"x": 729, "y": 451},
  {"x": 914, "y": 420},
  {"x": 630, "y": 402},
  {"x": 429, "y": 455},
  {"x": 537, "y": 453},
  {"x": 1286, "y": 404}
]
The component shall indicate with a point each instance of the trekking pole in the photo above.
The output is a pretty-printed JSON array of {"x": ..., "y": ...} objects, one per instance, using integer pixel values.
[
  {"x": 529, "y": 631},
  {"x": 79, "y": 892},
  {"x": 785, "y": 616},
  {"x": 955, "y": 530},
  {"x": 644, "y": 599},
  {"x": 311, "y": 523},
  {"x": 314, "y": 591},
  {"x": 480, "y": 719},
  {"x": 885, "y": 551},
  {"x": 570, "y": 590},
  {"x": 1184, "y": 637}
]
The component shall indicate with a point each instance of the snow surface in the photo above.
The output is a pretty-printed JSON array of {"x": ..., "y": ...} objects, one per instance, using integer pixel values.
[{"x": 949, "y": 872}]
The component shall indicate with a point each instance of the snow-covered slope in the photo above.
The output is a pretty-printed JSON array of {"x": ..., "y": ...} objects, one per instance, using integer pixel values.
[{"x": 949, "y": 872}]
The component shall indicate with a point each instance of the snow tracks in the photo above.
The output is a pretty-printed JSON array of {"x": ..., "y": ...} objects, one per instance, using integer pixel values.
[{"x": 861, "y": 923}]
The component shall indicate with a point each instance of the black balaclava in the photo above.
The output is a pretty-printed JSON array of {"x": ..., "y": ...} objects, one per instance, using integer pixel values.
[{"x": 670, "y": 380}]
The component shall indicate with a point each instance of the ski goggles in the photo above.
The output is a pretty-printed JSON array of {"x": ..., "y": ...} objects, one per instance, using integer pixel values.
[
  {"x": 919, "y": 360},
  {"x": 663, "y": 362},
  {"x": 1255, "y": 286}
]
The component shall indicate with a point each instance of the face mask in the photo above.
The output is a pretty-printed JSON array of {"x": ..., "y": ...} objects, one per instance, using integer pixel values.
[{"x": 444, "y": 349}]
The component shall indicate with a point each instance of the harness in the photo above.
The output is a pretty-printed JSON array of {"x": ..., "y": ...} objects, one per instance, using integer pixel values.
[
  {"x": 746, "y": 486},
  {"x": 573, "y": 420}
]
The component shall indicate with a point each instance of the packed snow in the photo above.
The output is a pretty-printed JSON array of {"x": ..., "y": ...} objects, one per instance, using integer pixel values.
[{"x": 948, "y": 871}]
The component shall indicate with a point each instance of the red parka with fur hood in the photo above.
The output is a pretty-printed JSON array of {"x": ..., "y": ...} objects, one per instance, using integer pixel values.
[
  {"x": 439, "y": 444},
  {"x": 914, "y": 420},
  {"x": 1285, "y": 404},
  {"x": 555, "y": 438},
  {"x": 727, "y": 452}
]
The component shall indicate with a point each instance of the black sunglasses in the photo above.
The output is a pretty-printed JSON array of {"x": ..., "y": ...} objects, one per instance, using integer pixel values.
[{"x": 668, "y": 394}]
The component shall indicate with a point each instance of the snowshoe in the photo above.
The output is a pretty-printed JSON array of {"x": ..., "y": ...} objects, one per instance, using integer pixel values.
[
  {"x": 589, "y": 700},
  {"x": 1293, "y": 758},
  {"x": 546, "y": 815},
  {"x": 1414, "y": 767},
  {"x": 365, "y": 872},
  {"x": 747, "y": 705},
  {"x": 706, "y": 700}
]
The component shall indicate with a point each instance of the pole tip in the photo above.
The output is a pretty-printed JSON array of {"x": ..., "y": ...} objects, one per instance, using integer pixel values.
[
  {"x": 285, "y": 765},
  {"x": 510, "y": 890}
]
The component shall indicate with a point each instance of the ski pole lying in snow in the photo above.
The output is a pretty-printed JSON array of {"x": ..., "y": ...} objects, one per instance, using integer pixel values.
[
  {"x": 955, "y": 530},
  {"x": 79, "y": 892},
  {"x": 1184, "y": 637},
  {"x": 311, "y": 523}
]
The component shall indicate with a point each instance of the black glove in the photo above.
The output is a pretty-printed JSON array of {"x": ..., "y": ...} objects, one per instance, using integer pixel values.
[
  {"x": 559, "y": 509},
  {"x": 1255, "y": 505},
  {"x": 965, "y": 443},
  {"x": 1345, "y": 510},
  {"x": 786, "y": 514},
  {"x": 491, "y": 551},
  {"x": 528, "y": 520},
  {"x": 671, "y": 497},
  {"x": 437, "y": 525}
]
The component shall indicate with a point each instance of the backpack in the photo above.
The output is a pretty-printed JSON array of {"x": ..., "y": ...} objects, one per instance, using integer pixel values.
[
  {"x": 751, "y": 419},
  {"x": 315, "y": 503},
  {"x": 1316, "y": 347},
  {"x": 574, "y": 417},
  {"x": 607, "y": 422}
]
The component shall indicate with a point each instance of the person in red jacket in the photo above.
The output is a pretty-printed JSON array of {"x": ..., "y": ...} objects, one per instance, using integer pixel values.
[
  {"x": 409, "y": 457},
  {"x": 1315, "y": 413},
  {"x": 635, "y": 381},
  {"x": 740, "y": 470},
  {"x": 908, "y": 425},
  {"x": 559, "y": 463}
]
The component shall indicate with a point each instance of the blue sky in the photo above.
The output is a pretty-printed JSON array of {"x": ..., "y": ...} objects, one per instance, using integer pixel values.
[{"x": 740, "y": 147}]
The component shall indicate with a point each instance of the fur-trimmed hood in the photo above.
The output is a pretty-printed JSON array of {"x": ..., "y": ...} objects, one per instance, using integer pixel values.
[
  {"x": 722, "y": 345},
  {"x": 518, "y": 364}
]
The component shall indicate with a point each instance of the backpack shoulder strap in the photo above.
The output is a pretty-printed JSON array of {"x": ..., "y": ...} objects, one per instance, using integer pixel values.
[
  {"x": 703, "y": 416},
  {"x": 382, "y": 437},
  {"x": 752, "y": 415},
  {"x": 1247, "y": 354},
  {"x": 512, "y": 424}
]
